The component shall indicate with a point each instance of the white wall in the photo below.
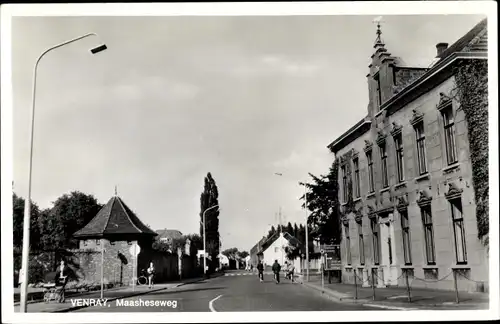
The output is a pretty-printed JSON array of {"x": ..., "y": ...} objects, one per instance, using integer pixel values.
[{"x": 276, "y": 252}]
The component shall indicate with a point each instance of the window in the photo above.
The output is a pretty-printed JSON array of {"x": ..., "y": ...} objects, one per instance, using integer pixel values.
[
  {"x": 428, "y": 235},
  {"x": 361, "y": 244},
  {"x": 420, "y": 134},
  {"x": 375, "y": 241},
  {"x": 357, "y": 190},
  {"x": 405, "y": 227},
  {"x": 449, "y": 135},
  {"x": 276, "y": 249},
  {"x": 344, "y": 184},
  {"x": 383, "y": 156},
  {"x": 379, "y": 91},
  {"x": 370, "y": 171},
  {"x": 458, "y": 230},
  {"x": 347, "y": 245},
  {"x": 398, "y": 141},
  {"x": 98, "y": 242}
]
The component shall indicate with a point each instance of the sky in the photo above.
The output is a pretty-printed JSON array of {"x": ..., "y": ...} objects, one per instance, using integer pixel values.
[{"x": 176, "y": 97}]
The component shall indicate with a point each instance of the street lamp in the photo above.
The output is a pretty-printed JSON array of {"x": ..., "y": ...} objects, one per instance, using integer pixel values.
[
  {"x": 27, "y": 210},
  {"x": 306, "y": 227},
  {"x": 205, "y": 240}
]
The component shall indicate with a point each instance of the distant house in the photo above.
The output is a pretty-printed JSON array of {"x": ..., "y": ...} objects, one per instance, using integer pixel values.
[
  {"x": 255, "y": 251},
  {"x": 274, "y": 248},
  {"x": 167, "y": 236},
  {"x": 224, "y": 261}
]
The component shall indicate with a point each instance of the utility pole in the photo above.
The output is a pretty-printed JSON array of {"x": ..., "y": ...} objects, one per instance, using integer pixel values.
[
  {"x": 281, "y": 235},
  {"x": 307, "y": 235}
]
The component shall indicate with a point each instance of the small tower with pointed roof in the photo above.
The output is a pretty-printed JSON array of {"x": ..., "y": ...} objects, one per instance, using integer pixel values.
[
  {"x": 116, "y": 229},
  {"x": 381, "y": 75}
]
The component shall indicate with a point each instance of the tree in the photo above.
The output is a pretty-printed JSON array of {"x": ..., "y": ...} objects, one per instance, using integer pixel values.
[
  {"x": 322, "y": 202},
  {"x": 289, "y": 228},
  {"x": 171, "y": 247},
  {"x": 271, "y": 232},
  {"x": 231, "y": 253},
  {"x": 209, "y": 198},
  {"x": 18, "y": 223},
  {"x": 242, "y": 254},
  {"x": 70, "y": 213},
  {"x": 295, "y": 230},
  {"x": 196, "y": 243}
]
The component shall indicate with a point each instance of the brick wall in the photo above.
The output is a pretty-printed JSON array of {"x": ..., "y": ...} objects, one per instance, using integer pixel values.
[
  {"x": 118, "y": 261},
  {"x": 404, "y": 77}
]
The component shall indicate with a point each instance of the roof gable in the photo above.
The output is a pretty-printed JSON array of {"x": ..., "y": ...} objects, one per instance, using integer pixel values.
[
  {"x": 292, "y": 240},
  {"x": 468, "y": 41},
  {"x": 114, "y": 218},
  {"x": 168, "y": 233}
]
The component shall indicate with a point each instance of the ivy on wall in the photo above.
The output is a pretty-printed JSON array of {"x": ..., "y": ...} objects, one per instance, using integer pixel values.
[
  {"x": 347, "y": 206},
  {"x": 471, "y": 80}
]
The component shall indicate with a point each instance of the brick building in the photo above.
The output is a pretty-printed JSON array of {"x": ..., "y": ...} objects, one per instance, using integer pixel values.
[
  {"x": 405, "y": 176},
  {"x": 116, "y": 229}
]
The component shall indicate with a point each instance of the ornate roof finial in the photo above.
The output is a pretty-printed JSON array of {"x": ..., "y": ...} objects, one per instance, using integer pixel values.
[
  {"x": 116, "y": 191},
  {"x": 378, "y": 40}
]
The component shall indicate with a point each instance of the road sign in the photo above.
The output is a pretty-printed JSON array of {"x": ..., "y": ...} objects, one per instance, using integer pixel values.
[
  {"x": 135, "y": 249},
  {"x": 330, "y": 248}
]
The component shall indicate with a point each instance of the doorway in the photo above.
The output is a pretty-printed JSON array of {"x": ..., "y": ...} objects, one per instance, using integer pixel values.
[{"x": 388, "y": 250}]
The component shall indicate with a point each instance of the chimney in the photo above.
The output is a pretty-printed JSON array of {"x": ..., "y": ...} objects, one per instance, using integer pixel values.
[{"x": 441, "y": 47}]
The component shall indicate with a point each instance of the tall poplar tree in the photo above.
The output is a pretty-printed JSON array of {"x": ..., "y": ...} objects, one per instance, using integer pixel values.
[{"x": 209, "y": 198}]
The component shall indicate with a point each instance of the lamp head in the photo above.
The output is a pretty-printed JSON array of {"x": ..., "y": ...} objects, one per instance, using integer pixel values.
[{"x": 98, "y": 49}]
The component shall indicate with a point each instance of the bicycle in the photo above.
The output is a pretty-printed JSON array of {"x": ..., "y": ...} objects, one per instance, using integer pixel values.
[{"x": 142, "y": 280}]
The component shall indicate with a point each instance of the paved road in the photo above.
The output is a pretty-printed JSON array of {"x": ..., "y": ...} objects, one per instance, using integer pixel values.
[{"x": 233, "y": 294}]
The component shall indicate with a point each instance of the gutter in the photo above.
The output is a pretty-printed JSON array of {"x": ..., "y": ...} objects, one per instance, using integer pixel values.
[{"x": 353, "y": 129}]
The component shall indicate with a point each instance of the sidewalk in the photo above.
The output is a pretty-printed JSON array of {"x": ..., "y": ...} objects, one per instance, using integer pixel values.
[
  {"x": 110, "y": 294},
  {"x": 397, "y": 297}
]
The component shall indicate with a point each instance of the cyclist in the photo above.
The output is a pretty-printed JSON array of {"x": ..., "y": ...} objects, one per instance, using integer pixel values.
[
  {"x": 276, "y": 269},
  {"x": 260, "y": 268}
]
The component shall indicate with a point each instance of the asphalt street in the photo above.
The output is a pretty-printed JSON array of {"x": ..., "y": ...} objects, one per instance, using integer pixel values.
[{"x": 235, "y": 293}]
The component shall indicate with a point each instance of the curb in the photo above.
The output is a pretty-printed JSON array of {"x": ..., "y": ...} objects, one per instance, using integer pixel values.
[
  {"x": 408, "y": 306},
  {"x": 35, "y": 301},
  {"x": 72, "y": 308},
  {"x": 332, "y": 294}
]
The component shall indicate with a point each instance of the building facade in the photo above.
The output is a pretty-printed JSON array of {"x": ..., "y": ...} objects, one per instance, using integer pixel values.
[{"x": 406, "y": 179}]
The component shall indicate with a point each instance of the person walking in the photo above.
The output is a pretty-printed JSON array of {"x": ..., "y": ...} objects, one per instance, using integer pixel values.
[
  {"x": 151, "y": 273},
  {"x": 291, "y": 271},
  {"x": 276, "y": 269},
  {"x": 260, "y": 269},
  {"x": 61, "y": 279}
]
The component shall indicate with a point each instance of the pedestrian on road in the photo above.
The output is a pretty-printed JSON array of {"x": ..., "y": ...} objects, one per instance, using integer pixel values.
[
  {"x": 151, "y": 273},
  {"x": 291, "y": 270},
  {"x": 260, "y": 268},
  {"x": 276, "y": 269}
]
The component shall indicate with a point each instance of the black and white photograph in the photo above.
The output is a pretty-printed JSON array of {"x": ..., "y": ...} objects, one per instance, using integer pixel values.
[{"x": 264, "y": 161}]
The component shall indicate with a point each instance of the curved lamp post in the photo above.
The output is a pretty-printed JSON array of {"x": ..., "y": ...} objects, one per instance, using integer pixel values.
[
  {"x": 27, "y": 210},
  {"x": 205, "y": 240}
]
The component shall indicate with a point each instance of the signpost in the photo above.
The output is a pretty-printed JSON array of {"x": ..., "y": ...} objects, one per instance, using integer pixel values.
[
  {"x": 331, "y": 260},
  {"x": 102, "y": 268},
  {"x": 331, "y": 255},
  {"x": 135, "y": 249}
]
